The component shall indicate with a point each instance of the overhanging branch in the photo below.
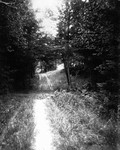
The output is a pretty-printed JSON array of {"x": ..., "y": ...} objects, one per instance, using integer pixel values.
[{"x": 7, "y": 4}]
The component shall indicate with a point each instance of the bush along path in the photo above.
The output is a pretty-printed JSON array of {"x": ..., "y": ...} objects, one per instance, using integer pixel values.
[
  {"x": 54, "y": 120},
  {"x": 76, "y": 123}
]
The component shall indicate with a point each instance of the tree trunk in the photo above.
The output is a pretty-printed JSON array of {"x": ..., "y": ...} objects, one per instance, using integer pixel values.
[
  {"x": 67, "y": 71},
  {"x": 118, "y": 112},
  {"x": 66, "y": 53}
]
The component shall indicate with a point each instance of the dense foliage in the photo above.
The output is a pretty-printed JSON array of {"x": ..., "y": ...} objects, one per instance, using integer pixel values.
[
  {"x": 76, "y": 122},
  {"x": 91, "y": 29},
  {"x": 20, "y": 45}
]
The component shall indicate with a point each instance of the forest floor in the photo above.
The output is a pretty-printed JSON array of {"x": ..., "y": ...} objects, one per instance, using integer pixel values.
[{"x": 53, "y": 119}]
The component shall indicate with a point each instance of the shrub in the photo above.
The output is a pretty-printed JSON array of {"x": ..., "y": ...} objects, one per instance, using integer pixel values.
[{"x": 75, "y": 121}]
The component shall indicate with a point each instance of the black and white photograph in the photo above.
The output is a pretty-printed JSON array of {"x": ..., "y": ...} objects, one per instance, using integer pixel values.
[{"x": 59, "y": 74}]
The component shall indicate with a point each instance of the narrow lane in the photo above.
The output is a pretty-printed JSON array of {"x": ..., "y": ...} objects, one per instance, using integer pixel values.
[{"x": 28, "y": 127}]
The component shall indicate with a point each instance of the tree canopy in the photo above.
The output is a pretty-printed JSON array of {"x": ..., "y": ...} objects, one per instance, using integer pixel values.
[
  {"x": 92, "y": 31},
  {"x": 20, "y": 44},
  {"x": 87, "y": 42}
]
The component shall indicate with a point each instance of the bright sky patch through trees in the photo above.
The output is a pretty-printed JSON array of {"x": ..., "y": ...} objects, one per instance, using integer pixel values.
[{"x": 47, "y": 11}]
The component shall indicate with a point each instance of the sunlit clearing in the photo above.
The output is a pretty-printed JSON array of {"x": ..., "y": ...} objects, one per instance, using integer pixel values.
[
  {"x": 43, "y": 135},
  {"x": 60, "y": 67}
]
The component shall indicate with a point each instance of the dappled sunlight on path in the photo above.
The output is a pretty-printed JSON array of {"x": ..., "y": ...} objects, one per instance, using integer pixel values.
[
  {"x": 50, "y": 80},
  {"x": 45, "y": 82},
  {"x": 42, "y": 133}
]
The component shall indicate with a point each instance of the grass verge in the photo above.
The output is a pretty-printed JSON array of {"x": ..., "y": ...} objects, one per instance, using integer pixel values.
[
  {"x": 76, "y": 122},
  {"x": 16, "y": 122}
]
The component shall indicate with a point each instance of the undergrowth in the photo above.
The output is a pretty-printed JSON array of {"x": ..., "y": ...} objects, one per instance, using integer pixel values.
[
  {"x": 16, "y": 122},
  {"x": 76, "y": 121}
]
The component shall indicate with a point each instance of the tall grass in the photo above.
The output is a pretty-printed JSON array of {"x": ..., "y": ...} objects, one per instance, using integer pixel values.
[
  {"x": 16, "y": 122},
  {"x": 76, "y": 122}
]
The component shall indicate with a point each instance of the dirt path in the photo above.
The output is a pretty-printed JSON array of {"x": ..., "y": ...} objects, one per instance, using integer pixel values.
[
  {"x": 28, "y": 127},
  {"x": 51, "y": 80},
  {"x": 43, "y": 135},
  {"x": 31, "y": 124}
]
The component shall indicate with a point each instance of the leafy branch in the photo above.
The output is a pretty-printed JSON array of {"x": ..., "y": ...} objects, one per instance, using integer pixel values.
[{"x": 8, "y": 4}]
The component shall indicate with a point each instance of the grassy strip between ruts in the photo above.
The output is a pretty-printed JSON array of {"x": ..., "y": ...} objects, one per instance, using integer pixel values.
[{"x": 76, "y": 122}]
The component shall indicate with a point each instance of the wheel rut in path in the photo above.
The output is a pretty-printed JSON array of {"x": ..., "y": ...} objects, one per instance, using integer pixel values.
[{"x": 43, "y": 136}]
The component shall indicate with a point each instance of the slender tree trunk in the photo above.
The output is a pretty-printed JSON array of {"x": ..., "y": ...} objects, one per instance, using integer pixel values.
[
  {"x": 67, "y": 71},
  {"x": 118, "y": 113},
  {"x": 67, "y": 49}
]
